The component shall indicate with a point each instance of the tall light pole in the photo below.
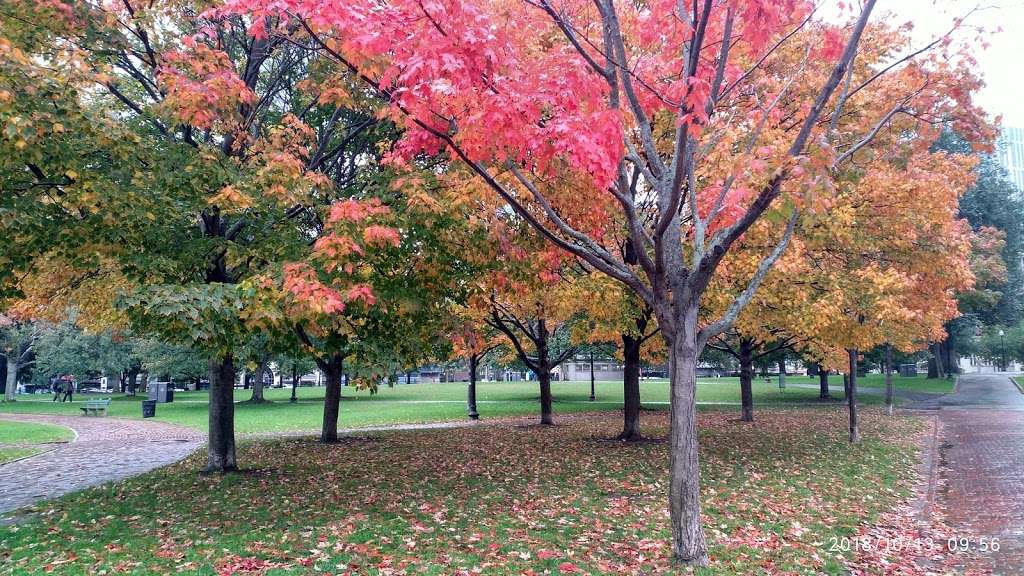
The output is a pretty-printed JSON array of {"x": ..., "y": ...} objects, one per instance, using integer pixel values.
[{"x": 1002, "y": 348}]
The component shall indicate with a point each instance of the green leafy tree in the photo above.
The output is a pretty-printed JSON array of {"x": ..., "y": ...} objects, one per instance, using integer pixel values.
[
  {"x": 202, "y": 159},
  {"x": 17, "y": 342},
  {"x": 167, "y": 361}
]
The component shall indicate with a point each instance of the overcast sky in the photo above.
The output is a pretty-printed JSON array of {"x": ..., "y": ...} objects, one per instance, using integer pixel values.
[{"x": 1002, "y": 64}]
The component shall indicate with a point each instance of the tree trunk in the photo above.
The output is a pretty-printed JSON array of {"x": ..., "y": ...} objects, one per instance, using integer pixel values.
[
  {"x": 133, "y": 381},
  {"x": 333, "y": 370},
  {"x": 889, "y": 391},
  {"x": 846, "y": 385},
  {"x": 935, "y": 365},
  {"x": 782, "y": 373},
  {"x": 851, "y": 396},
  {"x": 474, "y": 362},
  {"x": 3, "y": 374},
  {"x": 688, "y": 543},
  {"x": 12, "y": 378},
  {"x": 544, "y": 377},
  {"x": 257, "y": 383},
  {"x": 746, "y": 358},
  {"x": 823, "y": 384},
  {"x": 221, "y": 447},
  {"x": 940, "y": 362},
  {"x": 544, "y": 374},
  {"x": 952, "y": 366},
  {"x": 295, "y": 383},
  {"x": 592, "y": 395},
  {"x": 630, "y": 388}
]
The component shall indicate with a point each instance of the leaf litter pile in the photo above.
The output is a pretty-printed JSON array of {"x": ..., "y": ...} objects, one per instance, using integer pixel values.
[{"x": 780, "y": 495}]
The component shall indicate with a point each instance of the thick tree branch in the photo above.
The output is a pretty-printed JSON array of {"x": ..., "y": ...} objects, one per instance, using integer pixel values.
[{"x": 729, "y": 318}]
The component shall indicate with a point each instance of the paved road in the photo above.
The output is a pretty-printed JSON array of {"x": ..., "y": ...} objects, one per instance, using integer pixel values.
[
  {"x": 979, "y": 392},
  {"x": 982, "y": 454},
  {"x": 106, "y": 449}
]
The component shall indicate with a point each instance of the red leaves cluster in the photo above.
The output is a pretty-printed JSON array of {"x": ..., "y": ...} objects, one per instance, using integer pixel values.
[
  {"x": 301, "y": 281},
  {"x": 331, "y": 280},
  {"x": 381, "y": 236},
  {"x": 352, "y": 210},
  {"x": 201, "y": 84}
]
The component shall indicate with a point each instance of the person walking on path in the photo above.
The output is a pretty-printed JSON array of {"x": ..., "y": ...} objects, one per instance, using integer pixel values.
[
  {"x": 69, "y": 388},
  {"x": 57, "y": 389}
]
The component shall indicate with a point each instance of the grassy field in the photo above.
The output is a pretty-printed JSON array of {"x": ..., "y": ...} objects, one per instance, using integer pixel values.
[
  {"x": 32, "y": 433},
  {"x": 8, "y": 454},
  {"x": 19, "y": 439},
  {"x": 495, "y": 500},
  {"x": 415, "y": 403}
]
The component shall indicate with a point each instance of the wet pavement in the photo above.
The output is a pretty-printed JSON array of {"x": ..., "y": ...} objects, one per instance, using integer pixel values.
[
  {"x": 981, "y": 476},
  {"x": 104, "y": 450}
]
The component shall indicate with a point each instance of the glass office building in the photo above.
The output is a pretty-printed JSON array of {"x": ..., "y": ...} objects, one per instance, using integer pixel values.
[{"x": 1011, "y": 154}]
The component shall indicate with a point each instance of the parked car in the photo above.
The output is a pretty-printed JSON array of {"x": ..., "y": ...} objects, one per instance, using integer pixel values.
[{"x": 90, "y": 386}]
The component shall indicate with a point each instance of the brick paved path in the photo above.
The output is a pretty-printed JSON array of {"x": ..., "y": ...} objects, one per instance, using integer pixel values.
[
  {"x": 106, "y": 449},
  {"x": 981, "y": 450}
]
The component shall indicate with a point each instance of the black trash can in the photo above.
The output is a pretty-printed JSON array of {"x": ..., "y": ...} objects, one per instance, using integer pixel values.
[{"x": 148, "y": 408}]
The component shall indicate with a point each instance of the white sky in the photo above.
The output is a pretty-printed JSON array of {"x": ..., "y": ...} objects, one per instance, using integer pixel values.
[{"x": 1002, "y": 63}]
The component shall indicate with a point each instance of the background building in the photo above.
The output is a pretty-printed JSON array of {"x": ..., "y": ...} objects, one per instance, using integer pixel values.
[{"x": 1010, "y": 152}]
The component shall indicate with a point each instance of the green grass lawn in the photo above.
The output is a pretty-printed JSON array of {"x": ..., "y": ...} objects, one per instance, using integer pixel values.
[
  {"x": 911, "y": 384},
  {"x": 31, "y": 433},
  {"x": 494, "y": 500},
  {"x": 8, "y": 454},
  {"x": 18, "y": 439},
  {"x": 415, "y": 403}
]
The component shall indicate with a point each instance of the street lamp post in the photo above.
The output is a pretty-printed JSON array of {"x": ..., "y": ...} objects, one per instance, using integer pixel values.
[{"x": 1002, "y": 349}]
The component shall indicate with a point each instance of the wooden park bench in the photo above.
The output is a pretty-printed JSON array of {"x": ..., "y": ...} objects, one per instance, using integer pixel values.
[{"x": 94, "y": 407}]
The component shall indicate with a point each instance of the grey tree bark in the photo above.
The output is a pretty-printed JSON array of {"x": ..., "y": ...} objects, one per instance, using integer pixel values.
[
  {"x": 12, "y": 378},
  {"x": 221, "y": 445},
  {"x": 689, "y": 545},
  {"x": 257, "y": 396}
]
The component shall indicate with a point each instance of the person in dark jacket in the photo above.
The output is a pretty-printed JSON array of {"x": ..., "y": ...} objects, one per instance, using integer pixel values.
[{"x": 69, "y": 388}]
